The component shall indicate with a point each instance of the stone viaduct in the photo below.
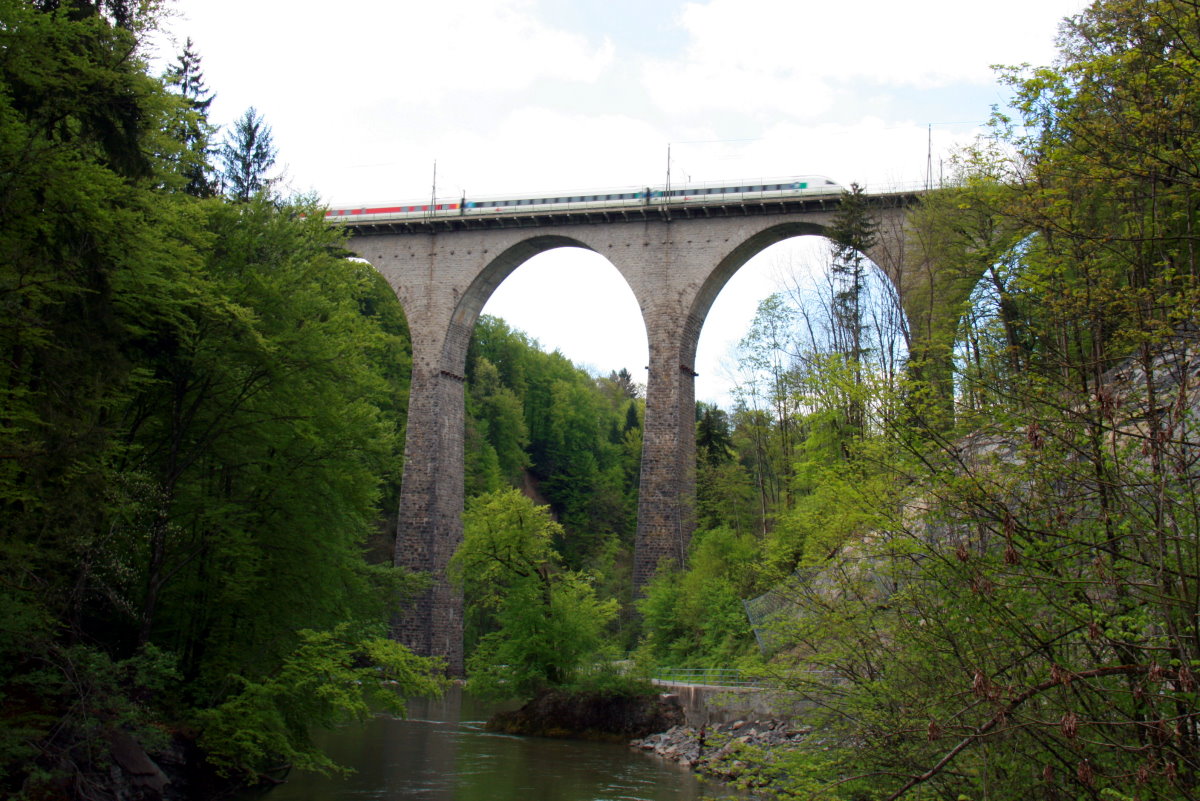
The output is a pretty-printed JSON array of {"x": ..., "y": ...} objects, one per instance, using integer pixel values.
[{"x": 675, "y": 257}]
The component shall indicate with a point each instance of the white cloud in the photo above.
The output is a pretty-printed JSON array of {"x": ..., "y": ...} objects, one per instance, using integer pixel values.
[
  {"x": 375, "y": 52},
  {"x": 791, "y": 57},
  {"x": 576, "y": 301}
]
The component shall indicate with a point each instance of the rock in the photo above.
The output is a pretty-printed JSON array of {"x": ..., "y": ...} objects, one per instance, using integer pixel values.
[
  {"x": 144, "y": 777},
  {"x": 596, "y": 716},
  {"x": 720, "y": 751}
]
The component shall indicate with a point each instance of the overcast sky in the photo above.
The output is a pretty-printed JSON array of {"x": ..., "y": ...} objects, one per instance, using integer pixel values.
[{"x": 519, "y": 96}]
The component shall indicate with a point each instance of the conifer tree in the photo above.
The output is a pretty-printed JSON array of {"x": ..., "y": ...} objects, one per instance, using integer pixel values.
[
  {"x": 853, "y": 232},
  {"x": 194, "y": 132},
  {"x": 247, "y": 155}
]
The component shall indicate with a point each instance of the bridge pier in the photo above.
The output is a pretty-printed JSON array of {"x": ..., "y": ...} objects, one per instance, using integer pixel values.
[
  {"x": 667, "y": 490},
  {"x": 431, "y": 502}
]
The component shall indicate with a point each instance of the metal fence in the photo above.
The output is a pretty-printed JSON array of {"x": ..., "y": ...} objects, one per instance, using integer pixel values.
[{"x": 717, "y": 677}]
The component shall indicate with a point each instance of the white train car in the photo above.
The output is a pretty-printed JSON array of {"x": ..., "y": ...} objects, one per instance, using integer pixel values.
[{"x": 691, "y": 193}]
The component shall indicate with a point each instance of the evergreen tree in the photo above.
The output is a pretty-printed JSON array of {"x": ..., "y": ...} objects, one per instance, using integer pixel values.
[
  {"x": 247, "y": 156},
  {"x": 852, "y": 233},
  {"x": 194, "y": 130}
]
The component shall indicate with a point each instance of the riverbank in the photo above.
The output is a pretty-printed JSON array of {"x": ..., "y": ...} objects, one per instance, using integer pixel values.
[{"x": 744, "y": 753}]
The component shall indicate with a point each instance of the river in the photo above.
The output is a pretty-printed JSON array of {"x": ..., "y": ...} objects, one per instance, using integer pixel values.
[{"x": 440, "y": 752}]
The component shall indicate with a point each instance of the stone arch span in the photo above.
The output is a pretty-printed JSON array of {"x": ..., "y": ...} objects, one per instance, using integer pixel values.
[
  {"x": 666, "y": 503},
  {"x": 755, "y": 244},
  {"x": 476, "y": 296},
  {"x": 675, "y": 268},
  {"x": 448, "y": 288}
]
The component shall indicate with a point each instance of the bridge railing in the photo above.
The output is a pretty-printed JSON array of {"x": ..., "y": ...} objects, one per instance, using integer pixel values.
[{"x": 717, "y": 677}]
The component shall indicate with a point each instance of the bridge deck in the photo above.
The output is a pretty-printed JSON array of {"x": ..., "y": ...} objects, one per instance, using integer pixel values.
[{"x": 595, "y": 215}]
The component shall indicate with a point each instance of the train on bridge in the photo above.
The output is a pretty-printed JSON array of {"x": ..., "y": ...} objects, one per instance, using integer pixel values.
[{"x": 693, "y": 193}]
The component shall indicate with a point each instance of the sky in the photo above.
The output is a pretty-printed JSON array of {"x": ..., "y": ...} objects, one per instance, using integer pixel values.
[{"x": 523, "y": 96}]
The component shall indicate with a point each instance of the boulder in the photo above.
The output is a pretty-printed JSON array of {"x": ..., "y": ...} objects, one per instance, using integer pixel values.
[{"x": 591, "y": 716}]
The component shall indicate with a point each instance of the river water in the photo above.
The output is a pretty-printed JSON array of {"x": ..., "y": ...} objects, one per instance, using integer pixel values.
[{"x": 441, "y": 753}]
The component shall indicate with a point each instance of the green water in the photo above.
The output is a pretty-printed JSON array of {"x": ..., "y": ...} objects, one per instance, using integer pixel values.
[{"x": 441, "y": 753}]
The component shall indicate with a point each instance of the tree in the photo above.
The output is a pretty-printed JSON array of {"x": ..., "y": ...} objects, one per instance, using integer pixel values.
[
  {"x": 852, "y": 233},
  {"x": 247, "y": 156},
  {"x": 549, "y": 622},
  {"x": 195, "y": 417},
  {"x": 194, "y": 131},
  {"x": 694, "y": 617}
]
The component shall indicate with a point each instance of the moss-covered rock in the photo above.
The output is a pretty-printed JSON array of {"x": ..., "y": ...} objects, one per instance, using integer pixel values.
[{"x": 591, "y": 715}]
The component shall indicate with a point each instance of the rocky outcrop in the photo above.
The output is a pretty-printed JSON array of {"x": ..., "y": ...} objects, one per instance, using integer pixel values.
[
  {"x": 740, "y": 751},
  {"x": 590, "y": 715}
]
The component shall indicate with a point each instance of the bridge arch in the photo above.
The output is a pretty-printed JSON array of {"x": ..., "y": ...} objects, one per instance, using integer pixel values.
[
  {"x": 737, "y": 258},
  {"x": 472, "y": 302}
]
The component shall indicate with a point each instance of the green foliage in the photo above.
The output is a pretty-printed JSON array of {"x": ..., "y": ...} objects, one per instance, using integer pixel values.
[
  {"x": 553, "y": 427},
  {"x": 694, "y": 618},
  {"x": 549, "y": 624},
  {"x": 331, "y": 677},
  {"x": 983, "y": 565},
  {"x": 247, "y": 156},
  {"x": 198, "y": 406},
  {"x": 194, "y": 131}
]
